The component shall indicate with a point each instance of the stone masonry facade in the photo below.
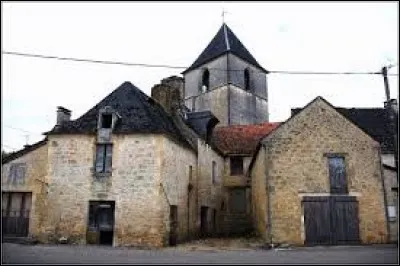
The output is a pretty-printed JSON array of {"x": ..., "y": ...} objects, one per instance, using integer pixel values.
[
  {"x": 296, "y": 166},
  {"x": 34, "y": 181}
]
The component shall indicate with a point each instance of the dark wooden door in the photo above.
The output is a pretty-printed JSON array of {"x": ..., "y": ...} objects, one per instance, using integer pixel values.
[
  {"x": 173, "y": 223},
  {"x": 331, "y": 220},
  {"x": 204, "y": 221},
  {"x": 344, "y": 220},
  {"x": 101, "y": 222},
  {"x": 317, "y": 220},
  {"x": 16, "y": 208}
]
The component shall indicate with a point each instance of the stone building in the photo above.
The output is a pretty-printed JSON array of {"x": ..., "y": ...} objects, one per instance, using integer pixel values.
[
  {"x": 375, "y": 122},
  {"x": 317, "y": 179},
  {"x": 192, "y": 161}
]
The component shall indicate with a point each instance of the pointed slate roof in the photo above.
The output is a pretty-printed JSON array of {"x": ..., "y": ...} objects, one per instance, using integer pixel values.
[
  {"x": 224, "y": 41},
  {"x": 139, "y": 114}
]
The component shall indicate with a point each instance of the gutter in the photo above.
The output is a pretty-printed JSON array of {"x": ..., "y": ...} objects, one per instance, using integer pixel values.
[{"x": 269, "y": 212}]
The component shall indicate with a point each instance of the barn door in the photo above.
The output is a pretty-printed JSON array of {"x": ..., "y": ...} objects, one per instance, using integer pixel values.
[
  {"x": 317, "y": 220},
  {"x": 344, "y": 220},
  {"x": 331, "y": 220}
]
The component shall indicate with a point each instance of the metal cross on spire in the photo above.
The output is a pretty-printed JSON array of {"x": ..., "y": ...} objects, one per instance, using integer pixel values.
[{"x": 223, "y": 15}]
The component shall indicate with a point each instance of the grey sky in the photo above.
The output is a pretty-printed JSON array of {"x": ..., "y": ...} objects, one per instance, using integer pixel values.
[{"x": 281, "y": 36}]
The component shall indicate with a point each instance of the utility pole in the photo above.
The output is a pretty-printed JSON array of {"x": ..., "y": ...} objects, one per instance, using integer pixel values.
[{"x": 392, "y": 114}]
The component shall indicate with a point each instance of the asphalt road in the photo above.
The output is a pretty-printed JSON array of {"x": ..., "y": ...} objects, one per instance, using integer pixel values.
[{"x": 66, "y": 254}]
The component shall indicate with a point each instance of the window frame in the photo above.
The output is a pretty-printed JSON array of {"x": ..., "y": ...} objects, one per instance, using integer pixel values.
[
  {"x": 106, "y": 161},
  {"x": 334, "y": 180},
  {"x": 234, "y": 171},
  {"x": 205, "y": 81}
]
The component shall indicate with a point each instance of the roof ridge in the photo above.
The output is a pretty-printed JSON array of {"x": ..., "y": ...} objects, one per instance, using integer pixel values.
[{"x": 226, "y": 37}]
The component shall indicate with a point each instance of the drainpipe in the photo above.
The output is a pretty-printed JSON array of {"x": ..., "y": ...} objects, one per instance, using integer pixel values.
[
  {"x": 269, "y": 212},
  {"x": 384, "y": 195}
]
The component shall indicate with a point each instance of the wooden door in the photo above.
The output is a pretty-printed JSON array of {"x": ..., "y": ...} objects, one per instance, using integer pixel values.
[
  {"x": 344, "y": 220},
  {"x": 16, "y": 208},
  {"x": 204, "y": 221},
  {"x": 173, "y": 223},
  {"x": 331, "y": 220},
  {"x": 317, "y": 220}
]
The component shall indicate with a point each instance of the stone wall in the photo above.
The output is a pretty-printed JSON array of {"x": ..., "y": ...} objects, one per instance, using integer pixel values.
[
  {"x": 209, "y": 193},
  {"x": 215, "y": 101},
  {"x": 390, "y": 179},
  {"x": 34, "y": 181},
  {"x": 297, "y": 167},
  {"x": 175, "y": 177},
  {"x": 259, "y": 199},
  {"x": 134, "y": 186}
]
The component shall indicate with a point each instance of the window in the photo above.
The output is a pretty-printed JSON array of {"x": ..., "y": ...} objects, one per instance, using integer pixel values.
[
  {"x": 103, "y": 158},
  {"x": 214, "y": 172},
  {"x": 337, "y": 174},
  {"x": 16, "y": 175},
  {"x": 236, "y": 165},
  {"x": 205, "y": 81},
  {"x": 392, "y": 213},
  {"x": 246, "y": 79},
  {"x": 106, "y": 121}
]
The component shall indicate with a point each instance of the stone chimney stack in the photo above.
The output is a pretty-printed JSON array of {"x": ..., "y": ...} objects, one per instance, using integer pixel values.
[
  {"x": 169, "y": 93},
  {"x": 63, "y": 115}
]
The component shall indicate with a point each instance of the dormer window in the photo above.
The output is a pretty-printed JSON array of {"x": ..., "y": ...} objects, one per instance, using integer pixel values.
[
  {"x": 205, "y": 84},
  {"x": 106, "y": 121},
  {"x": 246, "y": 79}
]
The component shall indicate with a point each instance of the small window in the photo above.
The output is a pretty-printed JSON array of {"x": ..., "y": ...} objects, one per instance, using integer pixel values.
[
  {"x": 236, "y": 165},
  {"x": 214, "y": 172},
  {"x": 103, "y": 158},
  {"x": 337, "y": 174},
  {"x": 246, "y": 79},
  {"x": 205, "y": 81},
  {"x": 16, "y": 174},
  {"x": 392, "y": 213},
  {"x": 106, "y": 121}
]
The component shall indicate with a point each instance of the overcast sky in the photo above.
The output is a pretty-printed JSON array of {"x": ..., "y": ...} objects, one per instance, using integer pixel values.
[{"x": 281, "y": 36}]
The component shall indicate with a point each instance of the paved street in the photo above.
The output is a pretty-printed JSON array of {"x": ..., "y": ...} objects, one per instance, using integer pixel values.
[{"x": 46, "y": 254}]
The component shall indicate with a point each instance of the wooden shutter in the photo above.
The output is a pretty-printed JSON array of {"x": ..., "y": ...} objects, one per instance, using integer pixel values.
[
  {"x": 337, "y": 175},
  {"x": 108, "y": 159},
  {"x": 100, "y": 158}
]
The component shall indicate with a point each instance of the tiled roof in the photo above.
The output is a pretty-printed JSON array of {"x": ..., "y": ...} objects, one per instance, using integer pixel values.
[
  {"x": 138, "y": 112},
  {"x": 25, "y": 150},
  {"x": 241, "y": 139},
  {"x": 223, "y": 42},
  {"x": 373, "y": 121}
]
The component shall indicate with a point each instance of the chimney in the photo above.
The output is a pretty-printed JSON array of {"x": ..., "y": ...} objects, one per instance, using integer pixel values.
[
  {"x": 175, "y": 82},
  {"x": 168, "y": 94},
  {"x": 63, "y": 115}
]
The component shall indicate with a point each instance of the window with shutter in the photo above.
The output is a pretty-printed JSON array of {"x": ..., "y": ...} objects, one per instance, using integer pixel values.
[
  {"x": 337, "y": 175},
  {"x": 103, "y": 158},
  {"x": 108, "y": 158}
]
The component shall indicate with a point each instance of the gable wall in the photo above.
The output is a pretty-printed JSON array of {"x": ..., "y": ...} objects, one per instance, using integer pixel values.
[{"x": 297, "y": 167}]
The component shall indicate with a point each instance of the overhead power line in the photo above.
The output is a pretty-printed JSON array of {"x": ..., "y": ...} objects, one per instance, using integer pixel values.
[
  {"x": 181, "y": 67},
  {"x": 23, "y": 130}
]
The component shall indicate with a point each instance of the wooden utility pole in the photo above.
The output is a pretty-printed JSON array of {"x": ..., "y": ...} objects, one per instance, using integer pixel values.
[{"x": 391, "y": 114}]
